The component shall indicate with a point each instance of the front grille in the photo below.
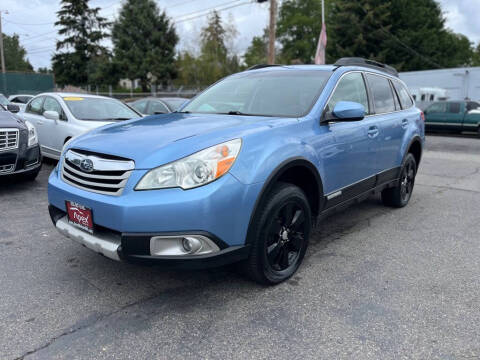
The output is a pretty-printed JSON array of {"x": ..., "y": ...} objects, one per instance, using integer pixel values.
[
  {"x": 106, "y": 175},
  {"x": 8, "y": 139},
  {"x": 5, "y": 169}
]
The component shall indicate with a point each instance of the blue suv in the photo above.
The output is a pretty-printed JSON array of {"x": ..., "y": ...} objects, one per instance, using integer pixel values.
[{"x": 244, "y": 170}]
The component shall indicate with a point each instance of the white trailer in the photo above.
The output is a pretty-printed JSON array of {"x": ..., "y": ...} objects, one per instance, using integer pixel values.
[{"x": 450, "y": 84}]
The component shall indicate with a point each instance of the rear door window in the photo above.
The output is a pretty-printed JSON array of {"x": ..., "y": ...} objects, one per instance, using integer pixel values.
[
  {"x": 453, "y": 108},
  {"x": 382, "y": 94}
]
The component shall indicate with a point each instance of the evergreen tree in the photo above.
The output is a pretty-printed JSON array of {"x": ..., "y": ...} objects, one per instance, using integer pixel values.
[
  {"x": 83, "y": 29},
  {"x": 15, "y": 54},
  {"x": 144, "y": 43},
  {"x": 410, "y": 35},
  {"x": 257, "y": 52}
]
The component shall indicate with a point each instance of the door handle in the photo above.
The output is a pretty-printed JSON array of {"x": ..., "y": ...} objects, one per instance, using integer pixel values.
[
  {"x": 39, "y": 122},
  {"x": 404, "y": 123},
  {"x": 372, "y": 132}
]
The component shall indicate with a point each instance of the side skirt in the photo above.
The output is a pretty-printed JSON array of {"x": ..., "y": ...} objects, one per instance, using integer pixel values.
[{"x": 358, "y": 192}]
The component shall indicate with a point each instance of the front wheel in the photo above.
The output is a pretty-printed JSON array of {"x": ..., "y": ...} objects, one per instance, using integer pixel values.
[
  {"x": 399, "y": 195},
  {"x": 279, "y": 237}
]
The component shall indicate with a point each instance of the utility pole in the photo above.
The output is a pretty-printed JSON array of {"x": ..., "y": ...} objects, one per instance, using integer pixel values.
[
  {"x": 2, "y": 55},
  {"x": 272, "y": 30}
]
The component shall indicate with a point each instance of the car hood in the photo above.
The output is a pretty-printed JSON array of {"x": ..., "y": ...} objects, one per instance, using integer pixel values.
[
  {"x": 159, "y": 139},
  {"x": 9, "y": 120}
]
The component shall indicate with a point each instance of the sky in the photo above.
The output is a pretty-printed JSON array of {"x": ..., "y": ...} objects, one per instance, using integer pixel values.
[{"x": 33, "y": 21}]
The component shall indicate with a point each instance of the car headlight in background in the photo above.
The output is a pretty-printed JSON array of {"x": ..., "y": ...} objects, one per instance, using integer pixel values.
[
  {"x": 195, "y": 170},
  {"x": 32, "y": 134}
]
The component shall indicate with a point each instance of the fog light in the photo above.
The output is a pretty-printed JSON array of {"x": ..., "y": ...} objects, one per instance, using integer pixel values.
[{"x": 191, "y": 245}]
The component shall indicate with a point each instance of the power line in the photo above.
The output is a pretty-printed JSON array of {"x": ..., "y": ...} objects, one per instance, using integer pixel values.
[
  {"x": 206, "y": 9},
  {"x": 207, "y": 12}
]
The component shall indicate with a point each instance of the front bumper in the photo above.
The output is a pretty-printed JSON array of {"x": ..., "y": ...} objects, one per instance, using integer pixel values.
[
  {"x": 220, "y": 211},
  {"x": 134, "y": 247},
  {"x": 24, "y": 160}
]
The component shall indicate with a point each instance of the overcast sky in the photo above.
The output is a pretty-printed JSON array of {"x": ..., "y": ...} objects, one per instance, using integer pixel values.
[{"x": 33, "y": 21}]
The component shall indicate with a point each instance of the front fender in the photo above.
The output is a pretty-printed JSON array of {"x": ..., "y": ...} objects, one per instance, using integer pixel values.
[{"x": 260, "y": 157}]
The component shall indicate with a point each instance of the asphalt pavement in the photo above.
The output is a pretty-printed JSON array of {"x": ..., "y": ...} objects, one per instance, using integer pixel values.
[{"x": 376, "y": 283}]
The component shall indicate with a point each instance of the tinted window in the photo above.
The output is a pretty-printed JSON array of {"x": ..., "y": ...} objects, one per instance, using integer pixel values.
[
  {"x": 471, "y": 105},
  {"x": 35, "y": 106},
  {"x": 265, "y": 93},
  {"x": 454, "y": 108},
  {"x": 21, "y": 99},
  {"x": 403, "y": 95},
  {"x": 436, "y": 108},
  {"x": 382, "y": 94},
  {"x": 351, "y": 87},
  {"x": 140, "y": 106},
  {"x": 156, "y": 107}
]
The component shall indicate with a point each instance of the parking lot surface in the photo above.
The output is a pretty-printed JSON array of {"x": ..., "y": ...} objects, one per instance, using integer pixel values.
[{"x": 376, "y": 283}]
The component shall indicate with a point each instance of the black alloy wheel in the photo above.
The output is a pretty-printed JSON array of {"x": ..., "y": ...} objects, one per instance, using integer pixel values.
[
  {"x": 286, "y": 235},
  {"x": 279, "y": 235},
  {"x": 400, "y": 195}
]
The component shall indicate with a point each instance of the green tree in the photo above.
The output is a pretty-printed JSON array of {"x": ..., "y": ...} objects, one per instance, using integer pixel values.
[
  {"x": 144, "y": 43},
  {"x": 410, "y": 35},
  {"x": 44, "y": 70},
  {"x": 257, "y": 52},
  {"x": 82, "y": 29},
  {"x": 15, "y": 54}
]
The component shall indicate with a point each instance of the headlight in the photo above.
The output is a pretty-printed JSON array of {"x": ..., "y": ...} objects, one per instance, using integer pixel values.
[
  {"x": 195, "y": 170},
  {"x": 32, "y": 134}
]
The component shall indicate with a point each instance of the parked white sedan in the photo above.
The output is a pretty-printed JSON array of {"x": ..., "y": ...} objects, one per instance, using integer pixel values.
[{"x": 58, "y": 117}]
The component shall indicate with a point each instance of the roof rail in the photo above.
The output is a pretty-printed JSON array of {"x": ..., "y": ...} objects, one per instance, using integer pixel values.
[
  {"x": 358, "y": 61},
  {"x": 261, "y": 66}
]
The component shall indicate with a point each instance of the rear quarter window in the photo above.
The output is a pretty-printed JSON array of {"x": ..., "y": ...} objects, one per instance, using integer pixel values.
[{"x": 405, "y": 99}]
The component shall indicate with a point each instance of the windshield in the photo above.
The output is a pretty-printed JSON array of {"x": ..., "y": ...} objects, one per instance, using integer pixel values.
[
  {"x": 3, "y": 100},
  {"x": 174, "y": 104},
  {"x": 268, "y": 93},
  {"x": 99, "y": 109}
]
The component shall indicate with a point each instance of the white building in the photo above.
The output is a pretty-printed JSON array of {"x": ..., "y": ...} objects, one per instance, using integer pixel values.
[{"x": 444, "y": 84}]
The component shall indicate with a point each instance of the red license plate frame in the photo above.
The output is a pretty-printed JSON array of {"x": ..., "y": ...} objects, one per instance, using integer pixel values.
[{"x": 80, "y": 216}]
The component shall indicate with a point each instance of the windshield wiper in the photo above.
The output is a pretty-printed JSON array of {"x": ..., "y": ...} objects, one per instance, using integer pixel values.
[
  {"x": 118, "y": 118},
  {"x": 182, "y": 112},
  {"x": 236, "y": 112}
]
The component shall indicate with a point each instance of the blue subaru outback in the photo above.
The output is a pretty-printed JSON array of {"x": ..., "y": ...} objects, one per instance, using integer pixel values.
[{"x": 244, "y": 170}]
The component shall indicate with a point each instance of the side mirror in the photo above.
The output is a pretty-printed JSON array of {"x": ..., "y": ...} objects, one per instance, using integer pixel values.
[
  {"x": 347, "y": 111},
  {"x": 52, "y": 115},
  {"x": 13, "y": 108}
]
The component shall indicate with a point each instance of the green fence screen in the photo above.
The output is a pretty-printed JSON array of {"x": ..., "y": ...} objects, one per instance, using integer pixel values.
[{"x": 25, "y": 83}]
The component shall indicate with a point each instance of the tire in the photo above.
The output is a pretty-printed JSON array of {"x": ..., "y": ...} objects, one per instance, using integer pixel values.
[
  {"x": 400, "y": 195},
  {"x": 279, "y": 237}
]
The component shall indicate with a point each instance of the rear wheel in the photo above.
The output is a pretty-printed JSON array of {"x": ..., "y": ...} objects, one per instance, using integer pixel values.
[
  {"x": 281, "y": 229},
  {"x": 399, "y": 195}
]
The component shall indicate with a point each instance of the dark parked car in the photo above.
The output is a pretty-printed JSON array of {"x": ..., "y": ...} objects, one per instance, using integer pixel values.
[
  {"x": 19, "y": 150},
  {"x": 453, "y": 116},
  {"x": 152, "y": 105}
]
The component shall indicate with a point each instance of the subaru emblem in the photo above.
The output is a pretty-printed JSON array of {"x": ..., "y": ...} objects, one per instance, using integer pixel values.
[{"x": 86, "y": 165}]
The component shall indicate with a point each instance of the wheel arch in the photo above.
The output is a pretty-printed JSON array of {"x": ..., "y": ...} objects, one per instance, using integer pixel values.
[
  {"x": 297, "y": 171},
  {"x": 415, "y": 148}
]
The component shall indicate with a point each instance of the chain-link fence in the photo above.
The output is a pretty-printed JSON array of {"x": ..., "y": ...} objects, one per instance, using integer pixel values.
[{"x": 25, "y": 83}]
